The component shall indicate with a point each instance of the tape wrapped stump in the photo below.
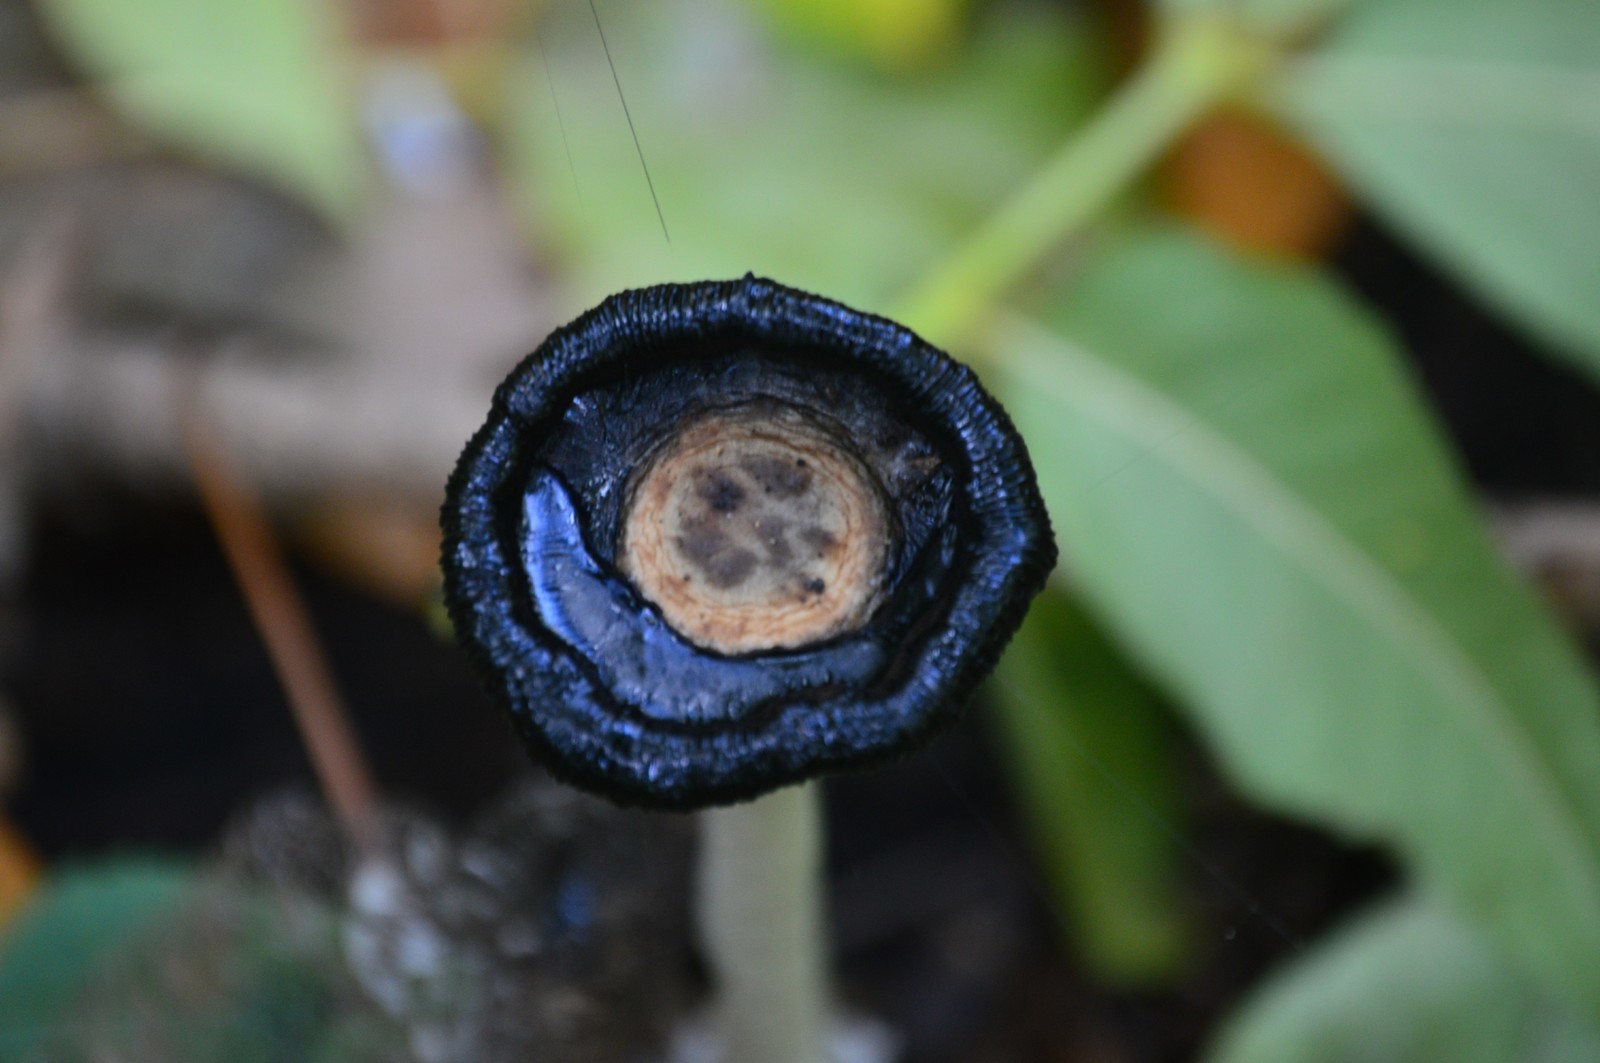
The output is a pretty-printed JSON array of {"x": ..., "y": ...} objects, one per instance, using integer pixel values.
[{"x": 718, "y": 538}]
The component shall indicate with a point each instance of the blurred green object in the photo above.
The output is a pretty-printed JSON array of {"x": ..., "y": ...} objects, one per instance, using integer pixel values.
[
  {"x": 895, "y": 34},
  {"x": 145, "y": 960},
  {"x": 824, "y": 176},
  {"x": 1473, "y": 126},
  {"x": 1281, "y": 20},
  {"x": 1248, "y": 492},
  {"x": 1090, "y": 751},
  {"x": 79, "y": 918},
  {"x": 1408, "y": 983},
  {"x": 254, "y": 84}
]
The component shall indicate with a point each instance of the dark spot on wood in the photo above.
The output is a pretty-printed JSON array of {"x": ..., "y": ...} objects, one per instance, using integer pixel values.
[
  {"x": 719, "y": 560},
  {"x": 720, "y": 491},
  {"x": 816, "y": 586},
  {"x": 819, "y": 539},
  {"x": 777, "y": 477},
  {"x": 730, "y": 568}
]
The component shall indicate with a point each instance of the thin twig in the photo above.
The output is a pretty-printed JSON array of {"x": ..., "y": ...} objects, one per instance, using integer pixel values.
[{"x": 281, "y": 618}]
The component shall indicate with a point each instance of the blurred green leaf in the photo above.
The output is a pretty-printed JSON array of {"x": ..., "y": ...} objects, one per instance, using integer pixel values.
[
  {"x": 1273, "y": 19},
  {"x": 152, "y": 961},
  {"x": 1246, "y": 488},
  {"x": 1408, "y": 983},
  {"x": 893, "y": 33},
  {"x": 1474, "y": 127},
  {"x": 828, "y": 178},
  {"x": 1090, "y": 752},
  {"x": 79, "y": 918},
  {"x": 250, "y": 83}
]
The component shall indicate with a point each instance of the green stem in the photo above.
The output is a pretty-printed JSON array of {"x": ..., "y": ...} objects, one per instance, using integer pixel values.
[{"x": 1198, "y": 61}]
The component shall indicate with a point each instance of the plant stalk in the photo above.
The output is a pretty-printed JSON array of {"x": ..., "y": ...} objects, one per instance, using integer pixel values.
[
  {"x": 1197, "y": 61},
  {"x": 760, "y": 912}
]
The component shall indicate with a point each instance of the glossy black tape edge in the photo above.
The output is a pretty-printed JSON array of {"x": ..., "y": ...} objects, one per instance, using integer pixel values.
[{"x": 572, "y": 726}]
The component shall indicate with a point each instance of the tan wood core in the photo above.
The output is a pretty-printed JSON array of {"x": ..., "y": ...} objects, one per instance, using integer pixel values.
[{"x": 756, "y": 529}]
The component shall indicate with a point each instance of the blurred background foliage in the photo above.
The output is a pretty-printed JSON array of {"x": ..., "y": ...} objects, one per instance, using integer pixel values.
[{"x": 329, "y": 228}]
